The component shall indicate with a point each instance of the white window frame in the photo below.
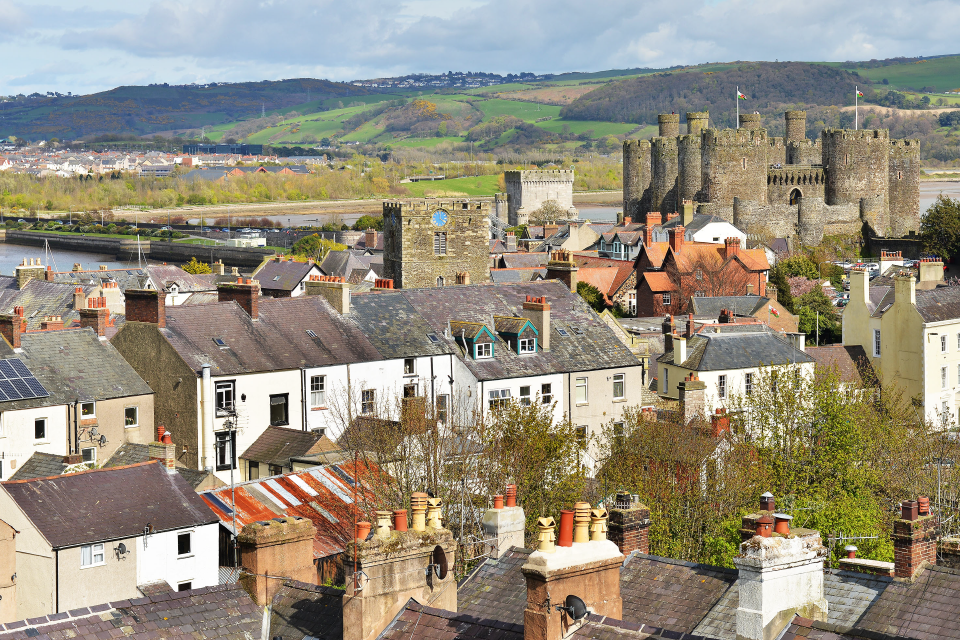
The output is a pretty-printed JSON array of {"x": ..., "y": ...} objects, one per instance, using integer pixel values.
[
  {"x": 525, "y": 395},
  {"x": 497, "y": 398},
  {"x": 666, "y": 299},
  {"x": 482, "y": 351},
  {"x": 748, "y": 383},
  {"x": 93, "y": 406},
  {"x": 943, "y": 377},
  {"x": 46, "y": 425},
  {"x": 620, "y": 379},
  {"x": 93, "y": 455},
  {"x": 368, "y": 401},
  {"x": 666, "y": 379},
  {"x": 221, "y": 388},
  {"x": 722, "y": 386},
  {"x": 527, "y": 345},
  {"x": 410, "y": 370},
  {"x": 318, "y": 391},
  {"x": 546, "y": 393},
  {"x": 189, "y": 552},
  {"x": 632, "y": 304},
  {"x": 93, "y": 551},
  {"x": 136, "y": 411},
  {"x": 584, "y": 397},
  {"x": 225, "y": 456},
  {"x": 876, "y": 343}
]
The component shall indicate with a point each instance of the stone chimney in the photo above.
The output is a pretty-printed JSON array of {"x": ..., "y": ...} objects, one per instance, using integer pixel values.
[
  {"x": 11, "y": 326},
  {"x": 333, "y": 288},
  {"x": 146, "y": 305},
  {"x": 904, "y": 290},
  {"x": 676, "y": 238},
  {"x": 562, "y": 267},
  {"x": 217, "y": 268},
  {"x": 536, "y": 309},
  {"x": 679, "y": 349},
  {"x": 687, "y": 212},
  {"x": 931, "y": 270},
  {"x": 588, "y": 570},
  {"x": 463, "y": 277},
  {"x": 914, "y": 538},
  {"x": 244, "y": 291},
  {"x": 629, "y": 525},
  {"x": 503, "y": 525},
  {"x": 779, "y": 576},
  {"x": 28, "y": 270},
  {"x": 692, "y": 395},
  {"x": 771, "y": 292},
  {"x": 511, "y": 241},
  {"x": 731, "y": 247},
  {"x": 669, "y": 329},
  {"x": 271, "y": 550},
  {"x": 163, "y": 450},
  {"x": 96, "y": 315},
  {"x": 370, "y": 238},
  {"x": 859, "y": 286},
  {"x": 389, "y": 571}
]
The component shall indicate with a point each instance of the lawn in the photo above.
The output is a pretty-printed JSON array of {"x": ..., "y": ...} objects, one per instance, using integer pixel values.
[
  {"x": 526, "y": 111},
  {"x": 472, "y": 186}
]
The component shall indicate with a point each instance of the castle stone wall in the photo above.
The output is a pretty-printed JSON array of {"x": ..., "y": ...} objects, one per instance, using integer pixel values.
[
  {"x": 796, "y": 125},
  {"x": 409, "y": 256},
  {"x": 904, "y": 180},
  {"x": 842, "y": 219},
  {"x": 857, "y": 164},
  {"x": 807, "y": 180},
  {"x": 636, "y": 177},
  {"x": 528, "y": 190},
  {"x": 734, "y": 164},
  {"x": 804, "y": 152},
  {"x": 755, "y": 217},
  {"x": 664, "y": 159},
  {"x": 750, "y": 121},
  {"x": 777, "y": 153},
  {"x": 689, "y": 176},
  {"x": 669, "y": 125},
  {"x": 697, "y": 121}
]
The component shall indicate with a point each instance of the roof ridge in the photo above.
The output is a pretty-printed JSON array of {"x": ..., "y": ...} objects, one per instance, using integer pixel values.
[{"x": 80, "y": 473}]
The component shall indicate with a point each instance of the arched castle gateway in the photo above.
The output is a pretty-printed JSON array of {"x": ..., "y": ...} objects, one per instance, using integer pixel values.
[{"x": 784, "y": 186}]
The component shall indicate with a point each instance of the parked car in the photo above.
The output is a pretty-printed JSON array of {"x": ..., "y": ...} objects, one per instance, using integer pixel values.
[{"x": 165, "y": 228}]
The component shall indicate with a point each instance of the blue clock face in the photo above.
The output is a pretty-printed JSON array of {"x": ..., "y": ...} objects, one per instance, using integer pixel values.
[{"x": 440, "y": 217}]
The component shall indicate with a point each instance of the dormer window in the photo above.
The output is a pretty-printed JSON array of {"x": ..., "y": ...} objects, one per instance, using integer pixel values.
[
  {"x": 482, "y": 351},
  {"x": 527, "y": 345}
]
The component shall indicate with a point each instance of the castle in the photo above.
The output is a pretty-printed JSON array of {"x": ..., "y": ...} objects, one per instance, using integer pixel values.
[
  {"x": 526, "y": 191},
  {"x": 780, "y": 186}
]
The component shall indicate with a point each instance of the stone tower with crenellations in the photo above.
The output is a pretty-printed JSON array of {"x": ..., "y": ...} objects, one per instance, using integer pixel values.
[
  {"x": 527, "y": 190},
  {"x": 789, "y": 187}
]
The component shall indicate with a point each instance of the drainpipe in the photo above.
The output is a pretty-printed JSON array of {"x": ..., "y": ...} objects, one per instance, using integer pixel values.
[
  {"x": 56, "y": 580},
  {"x": 76, "y": 427},
  {"x": 206, "y": 414},
  {"x": 303, "y": 402}
]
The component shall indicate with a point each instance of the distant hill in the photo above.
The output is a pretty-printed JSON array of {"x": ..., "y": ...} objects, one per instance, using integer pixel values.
[
  {"x": 146, "y": 110},
  {"x": 768, "y": 87}
]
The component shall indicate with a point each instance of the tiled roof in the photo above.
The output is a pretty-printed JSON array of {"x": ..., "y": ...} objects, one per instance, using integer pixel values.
[
  {"x": 658, "y": 281},
  {"x": 276, "y": 445},
  {"x": 672, "y": 594},
  {"x": 74, "y": 364},
  {"x": 417, "y": 622},
  {"x": 285, "y": 275},
  {"x": 748, "y": 346},
  {"x": 496, "y": 590},
  {"x": 324, "y": 495},
  {"x": 223, "y": 611},
  {"x": 656, "y": 252},
  {"x": 936, "y": 305},
  {"x": 850, "y": 362},
  {"x": 603, "y": 628},
  {"x": 509, "y": 324},
  {"x": 277, "y": 340},
  {"x": 302, "y": 610},
  {"x": 925, "y": 607},
  {"x": 394, "y": 327},
  {"x": 104, "y": 504},
  {"x": 39, "y": 298},
  {"x": 40, "y": 465},
  {"x": 520, "y": 274},
  {"x": 711, "y": 306}
]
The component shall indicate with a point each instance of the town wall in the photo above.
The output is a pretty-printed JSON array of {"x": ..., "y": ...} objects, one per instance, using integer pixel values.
[
  {"x": 528, "y": 190},
  {"x": 734, "y": 164},
  {"x": 808, "y": 181},
  {"x": 904, "y": 181},
  {"x": 664, "y": 173}
]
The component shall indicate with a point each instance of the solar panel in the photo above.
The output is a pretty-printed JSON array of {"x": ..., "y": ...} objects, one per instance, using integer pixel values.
[{"x": 17, "y": 383}]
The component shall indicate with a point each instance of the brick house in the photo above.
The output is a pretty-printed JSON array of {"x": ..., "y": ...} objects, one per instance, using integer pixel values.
[{"x": 670, "y": 273}]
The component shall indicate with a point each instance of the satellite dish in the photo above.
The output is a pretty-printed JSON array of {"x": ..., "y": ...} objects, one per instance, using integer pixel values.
[
  {"x": 103, "y": 441},
  {"x": 122, "y": 548},
  {"x": 439, "y": 562},
  {"x": 575, "y": 607}
]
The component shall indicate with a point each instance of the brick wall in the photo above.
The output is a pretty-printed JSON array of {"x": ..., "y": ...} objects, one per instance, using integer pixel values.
[
  {"x": 914, "y": 542},
  {"x": 629, "y": 528},
  {"x": 146, "y": 305}
]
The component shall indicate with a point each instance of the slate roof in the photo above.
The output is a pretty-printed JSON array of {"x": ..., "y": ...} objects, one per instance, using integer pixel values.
[
  {"x": 134, "y": 453},
  {"x": 303, "y": 610},
  {"x": 926, "y": 607},
  {"x": 850, "y": 362},
  {"x": 942, "y": 303},
  {"x": 105, "y": 504},
  {"x": 276, "y": 445},
  {"x": 40, "y": 298},
  {"x": 285, "y": 275},
  {"x": 496, "y": 589},
  {"x": 340, "y": 263},
  {"x": 74, "y": 364},
  {"x": 415, "y": 622},
  {"x": 747, "y": 346},
  {"x": 276, "y": 341},
  {"x": 394, "y": 327},
  {"x": 526, "y": 274},
  {"x": 40, "y": 465},
  {"x": 700, "y": 220},
  {"x": 125, "y": 278},
  {"x": 521, "y": 260},
  {"x": 223, "y": 611},
  {"x": 162, "y": 276},
  {"x": 710, "y": 306}
]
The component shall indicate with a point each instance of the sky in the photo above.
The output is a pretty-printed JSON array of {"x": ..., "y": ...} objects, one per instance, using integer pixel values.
[{"x": 84, "y": 47}]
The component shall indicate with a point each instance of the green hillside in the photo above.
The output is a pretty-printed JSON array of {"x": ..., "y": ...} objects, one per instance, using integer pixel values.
[{"x": 938, "y": 74}]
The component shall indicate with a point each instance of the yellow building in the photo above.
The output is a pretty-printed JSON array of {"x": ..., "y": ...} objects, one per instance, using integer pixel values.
[{"x": 909, "y": 326}]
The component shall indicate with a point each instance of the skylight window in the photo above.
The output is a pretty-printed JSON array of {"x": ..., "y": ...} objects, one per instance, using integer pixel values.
[
  {"x": 577, "y": 331},
  {"x": 311, "y": 333},
  {"x": 220, "y": 342},
  {"x": 563, "y": 332},
  {"x": 275, "y": 278},
  {"x": 433, "y": 338}
]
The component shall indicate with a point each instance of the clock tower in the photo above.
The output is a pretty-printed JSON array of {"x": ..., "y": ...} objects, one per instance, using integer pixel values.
[{"x": 436, "y": 242}]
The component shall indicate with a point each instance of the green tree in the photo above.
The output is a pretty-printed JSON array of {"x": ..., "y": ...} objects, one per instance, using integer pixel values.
[
  {"x": 799, "y": 266},
  {"x": 316, "y": 247},
  {"x": 592, "y": 296},
  {"x": 815, "y": 307},
  {"x": 196, "y": 267},
  {"x": 778, "y": 278},
  {"x": 368, "y": 222},
  {"x": 940, "y": 227}
]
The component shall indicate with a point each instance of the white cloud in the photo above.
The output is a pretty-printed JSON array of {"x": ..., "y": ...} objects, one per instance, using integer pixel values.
[{"x": 112, "y": 42}]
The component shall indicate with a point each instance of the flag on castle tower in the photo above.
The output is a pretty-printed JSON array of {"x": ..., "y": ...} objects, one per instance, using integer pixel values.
[
  {"x": 859, "y": 93},
  {"x": 741, "y": 96}
]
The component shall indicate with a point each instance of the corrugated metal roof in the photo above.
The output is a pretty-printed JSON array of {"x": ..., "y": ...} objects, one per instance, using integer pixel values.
[{"x": 322, "y": 494}]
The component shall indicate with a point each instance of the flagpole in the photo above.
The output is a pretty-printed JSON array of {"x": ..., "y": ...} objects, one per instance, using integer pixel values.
[
  {"x": 856, "y": 107},
  {"x": 737, "y": 100}
]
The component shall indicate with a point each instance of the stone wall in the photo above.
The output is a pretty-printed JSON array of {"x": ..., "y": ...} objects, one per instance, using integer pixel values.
[
  {"x": 857, "y": 164},
  {"x": 734, "y": 165},
  {"x": 689, "y": 176},
  {"x": 796, "y": 125},
  {"x": 809, "y": 152},
  {"x": 664, "y": 173},
  {"x": 636, "y": 177},
  {"x": 528, "y": 190},
  {"x": 697, "y": 121},
  {"x": 777, "y": 153},
  {"x": 756, "y": 217},
  {"x": 669, "y": 125},
  {"x": 410, "y": 234},
  {"x": 904, "y": 181},
  {"x": 807, "y": 181}
]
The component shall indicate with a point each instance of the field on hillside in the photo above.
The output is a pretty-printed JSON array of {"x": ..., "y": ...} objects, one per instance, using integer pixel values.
[
  {"x": 943, "y": 74},
  {"x": 471, "y": 186}
]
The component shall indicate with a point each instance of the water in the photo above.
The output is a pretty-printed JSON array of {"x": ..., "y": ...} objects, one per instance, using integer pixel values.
[
  {"x": 929, "y": 190},
  {"x": 12, "y": 255}
]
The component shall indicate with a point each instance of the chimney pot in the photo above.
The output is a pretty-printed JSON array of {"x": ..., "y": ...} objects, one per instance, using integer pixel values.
[
  {"x": 498, "y": 502},
  {"x": 851, "y": 551},
  {"x": 511, "y": 495},
  {"x": 434, "y": 517},
  {"x": 545, "y": 538},
  {"x": 384, "y": 520},
  {"x": 566, "y": 528},
  {"x": 782, "y": 525},
  {"x": 598, "y": 525},
  {"x": 766, "y": 502},
  {"x": 362, "y": 530},
  {"x": 909, "y": 510},
  {"x": 418, "y": 504},
  {"x": 400, "y": 519},
  {"x": 923, "y": 506},
  {"x": 581, "y": 522},
  {"x": 765, "y": 526}
]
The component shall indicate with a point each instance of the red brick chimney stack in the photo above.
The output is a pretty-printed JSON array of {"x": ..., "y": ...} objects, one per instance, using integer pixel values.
[
  {"x": 731, "y": 247},
  {"x": 146, "y": 305},
  {"x": 691, "y": 327},
  {"x": 10, "y": 329},
  {"x": 676, "y": 238},
  {"x": 653, "y": 220},
  {"x": 96, "y": 315},
  {"x": 914, "y": 538},
  {"x": 629, "y": 525},
  {"x": 244, "y": 291}
]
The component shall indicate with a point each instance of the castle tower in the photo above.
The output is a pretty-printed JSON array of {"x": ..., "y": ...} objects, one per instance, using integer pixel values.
[
  {"x": 857, "y": 165},
  {"x": 428, "y": 243},
  {"x": 733, "y": 164},
  {"x": 810, "y": 221},
  {"x": 636, "y": 177},
  {"x": 669, "y": 125},
  {"x": 697, "y": 121},
  {"x": 528, "y": 190},
  {"x": 904, "y": 181},
  {"x": 664, "y": 172},
  {"x": 796, "y": 124},
  {"x": 689, "y": 179},
  {"x": 750, "y": 121}
]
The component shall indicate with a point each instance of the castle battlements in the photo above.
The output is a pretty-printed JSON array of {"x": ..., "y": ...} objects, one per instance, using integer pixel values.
[
  {"x": 858, "y": 134},
  {"x": 903, "y": 143},
  {"x": 729, "y": 137}
]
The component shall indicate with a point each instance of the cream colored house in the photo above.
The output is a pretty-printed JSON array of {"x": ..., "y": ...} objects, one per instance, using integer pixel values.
[{"x": 910, "y": 328}]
